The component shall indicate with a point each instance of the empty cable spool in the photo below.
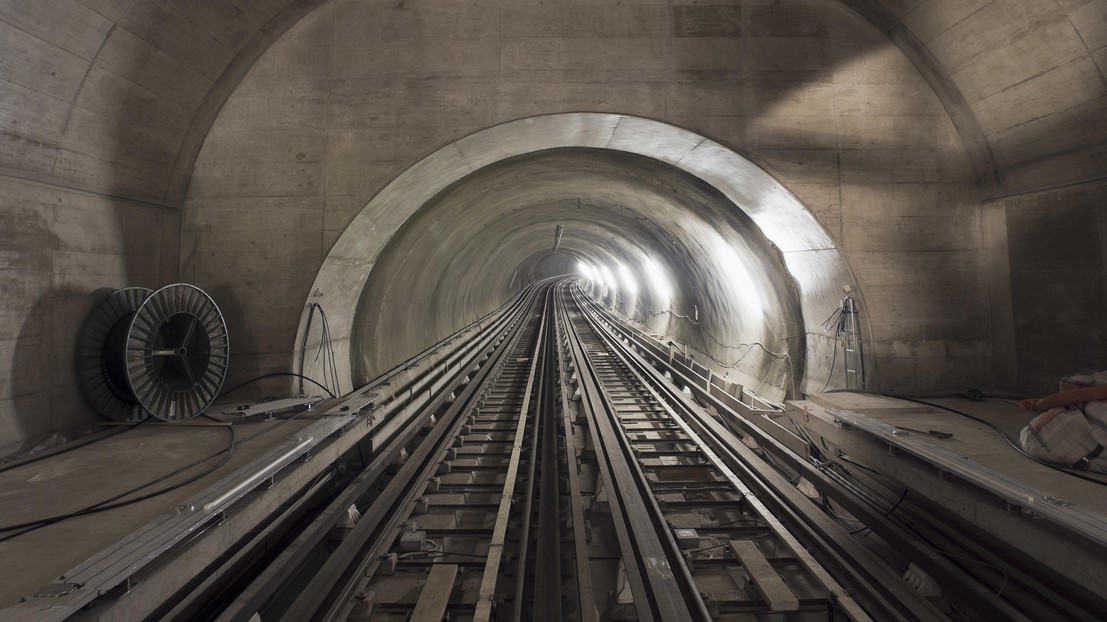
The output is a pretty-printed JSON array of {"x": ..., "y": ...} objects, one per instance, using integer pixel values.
[{"x": 162, "y": 353}]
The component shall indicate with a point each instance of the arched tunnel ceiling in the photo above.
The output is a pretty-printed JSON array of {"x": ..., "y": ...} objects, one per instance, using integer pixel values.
[
  {"x": 116, "y": 96},
  {"x": 746, "y": 267},
  {"x": 493, "y": 232}
]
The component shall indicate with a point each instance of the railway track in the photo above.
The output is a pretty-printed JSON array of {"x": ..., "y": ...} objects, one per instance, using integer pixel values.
[
  {"x": 704, "y": 545},
  {"x": 557, "y": 474}
]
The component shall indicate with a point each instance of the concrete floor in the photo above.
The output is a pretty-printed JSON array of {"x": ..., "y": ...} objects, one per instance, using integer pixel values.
[{"x": 90, "y": 474}]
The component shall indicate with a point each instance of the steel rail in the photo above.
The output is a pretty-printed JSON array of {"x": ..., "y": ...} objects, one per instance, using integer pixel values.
[
  {"x": 436, "y": 448},
  {"x": 840, "y": 595},
  {"x": 496, "y": 391},
  {"x": 487, "y": 590},
  {"x": 634, "y": 572},
  {"x": 291, "y": 559},
  {"x": 332, "y": 589},
  {"x": 940, "y": 528},
  {"x": 545, "y": 570},
  {"x": 586, "y": 610},
  {"x": 665, "y": 589}
]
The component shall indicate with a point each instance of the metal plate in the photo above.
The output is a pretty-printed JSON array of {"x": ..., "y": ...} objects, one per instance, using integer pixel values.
[
  {"x": 106, "y": 388},
  {"x": 177, "y": 352}
]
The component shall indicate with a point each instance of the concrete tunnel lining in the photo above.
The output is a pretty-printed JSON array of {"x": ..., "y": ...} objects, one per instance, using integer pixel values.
[{"x": 808, "y": 256}]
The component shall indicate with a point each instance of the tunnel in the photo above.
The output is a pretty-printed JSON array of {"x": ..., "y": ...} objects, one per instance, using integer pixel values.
[
  {"x": 233, "y": 148},
  {"x": 828, "y": 225},
  {"x": 657, "y": 243}
]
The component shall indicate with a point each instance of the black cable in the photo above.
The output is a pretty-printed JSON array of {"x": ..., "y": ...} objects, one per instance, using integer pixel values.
[
  {"x": 834, "y": 318},
  {"x": 70, "y": 446},
  {"x": 325, "y": 349},
  {"x": 833, "y": 358},
  {"x": 886, "y": 514},
  {"x": 324, "y": 337},
  {"x": 303, "y": 340},
  {"x": 272, "y": 375},
  {"x": 861, "y": 466},
  {"x": 77, "y": 443},
  {"x": 100, "y": 507},
  {"x": 330, "y": 352},
  {"x": 906, "y": 525},
  {"x": 441, "y": 553},
  {"x": 107, "y": 504}
]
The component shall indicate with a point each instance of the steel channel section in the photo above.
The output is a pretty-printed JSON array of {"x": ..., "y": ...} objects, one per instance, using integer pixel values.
[
  {"x": 967, "y": 588},
  {"x": 666, "y": 591},
  {"x": 386, "y": 513},
  {"x": 586, "y": 611},
  {"x": 800, "y": 508},
  {"x": 268, "y": 408},
  {"x": 923, "y": 518},
  {"x": 1026, "y": 583},
  {"x": 547, "y": 566},
  {"x": 331, "y": 590},
  {"x": 494, "y": 397},
  {"x": 193, "y": 604},
  {"x": 843, "y": 600},
  {"x": 341, "y": 601},
  {"x": 1027, "y": 592},
  {"x": 1089, "y": 526}
]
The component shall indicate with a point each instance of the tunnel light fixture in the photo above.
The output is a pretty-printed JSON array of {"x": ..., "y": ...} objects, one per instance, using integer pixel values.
[
  {"x": 609, "y": 278},
  {"x": 658, "y": 282},
  {"x": 629, "y": 283},
  {"x": 557, "y": 237},
  {"x": 735, "y": 269},
  {"x": 586, "y": 270}
]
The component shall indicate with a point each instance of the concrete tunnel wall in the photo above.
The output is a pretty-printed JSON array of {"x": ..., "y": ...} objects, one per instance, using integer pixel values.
[{"x": 952, "y": 150}]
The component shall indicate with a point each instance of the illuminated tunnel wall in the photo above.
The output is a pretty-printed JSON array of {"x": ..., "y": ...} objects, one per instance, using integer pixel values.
[
  {"x": 679, "y": 234},
  {"x": 662, "y": 248}
]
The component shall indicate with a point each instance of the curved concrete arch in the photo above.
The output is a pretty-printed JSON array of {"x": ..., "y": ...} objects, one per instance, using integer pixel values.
[{"x": 812, "y": 261}]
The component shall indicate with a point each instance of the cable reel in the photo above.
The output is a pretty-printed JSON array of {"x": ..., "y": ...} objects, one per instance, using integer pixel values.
[{"x": 162, "y": 353}]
